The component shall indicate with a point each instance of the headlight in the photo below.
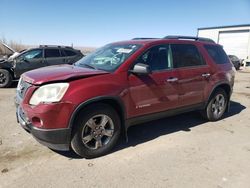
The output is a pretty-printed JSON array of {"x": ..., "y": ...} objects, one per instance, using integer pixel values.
[
  {"x": 19, "y": 84},
  {"x": 49, "y": 93}
]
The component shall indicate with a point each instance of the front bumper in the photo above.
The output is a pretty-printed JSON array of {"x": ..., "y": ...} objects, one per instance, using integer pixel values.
[{"x": 58, "y": 139}]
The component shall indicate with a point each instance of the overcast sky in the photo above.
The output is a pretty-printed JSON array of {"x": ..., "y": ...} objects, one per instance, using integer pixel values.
[{"x": 97, "y": 22}]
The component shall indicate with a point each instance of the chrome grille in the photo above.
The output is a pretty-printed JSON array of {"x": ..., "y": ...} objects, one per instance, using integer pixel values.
[{"x": 22, "y": 87}]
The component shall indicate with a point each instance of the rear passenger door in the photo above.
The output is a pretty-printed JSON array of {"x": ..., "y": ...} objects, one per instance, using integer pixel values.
[
  {"x": 53, "y": 56},
  {"x": 192, "y": 73}
]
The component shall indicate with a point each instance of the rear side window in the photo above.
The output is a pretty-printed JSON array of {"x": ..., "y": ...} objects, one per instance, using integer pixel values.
[
  {"x": 52, "y": 53},
  {"x": 217, "y": 54},
  {"x": 69, "y": 53},
  {"x": 186, "y": 55}
]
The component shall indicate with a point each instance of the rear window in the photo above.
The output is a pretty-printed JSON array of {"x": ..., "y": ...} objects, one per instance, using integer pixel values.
[
  {"x": 217, "y": 54},
  {"x": 52, "y": 53}
]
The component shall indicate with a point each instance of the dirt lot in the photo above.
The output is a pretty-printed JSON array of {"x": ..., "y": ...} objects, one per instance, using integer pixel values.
[{"x": 181, "y": 151}]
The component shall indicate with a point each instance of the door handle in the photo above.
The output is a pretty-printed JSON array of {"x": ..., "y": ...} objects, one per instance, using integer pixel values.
[
  {"x": 205, "y": 75},
  {"x": 172, "y": 79}
]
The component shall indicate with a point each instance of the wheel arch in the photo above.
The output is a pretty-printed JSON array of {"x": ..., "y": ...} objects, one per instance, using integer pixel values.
[
  {"x": 9, "y": 70},
  {"x": 226, "y": 87},
  {"x": 113, "y": 101}
]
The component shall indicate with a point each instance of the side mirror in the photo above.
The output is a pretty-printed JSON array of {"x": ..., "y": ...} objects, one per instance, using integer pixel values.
[{"x": 141, "y": 68}]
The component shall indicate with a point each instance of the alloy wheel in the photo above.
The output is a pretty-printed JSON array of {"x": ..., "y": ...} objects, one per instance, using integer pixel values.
[
  {"x": 2, "y": 78},
  {"x": 97, "y": 131},
  {"x": 218, "y": 105}
]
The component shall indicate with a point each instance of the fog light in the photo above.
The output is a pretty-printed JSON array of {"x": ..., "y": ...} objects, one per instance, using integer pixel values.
[{"x": 37, "y": 122}]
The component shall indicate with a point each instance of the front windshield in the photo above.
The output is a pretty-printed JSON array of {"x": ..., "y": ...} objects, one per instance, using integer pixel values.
[{"x": 109, "y": 57}]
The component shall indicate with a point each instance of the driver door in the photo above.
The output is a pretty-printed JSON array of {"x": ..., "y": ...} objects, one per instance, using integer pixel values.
[
  {"x": 30, "y": 60},
  {"x": 154, "y": 92}
]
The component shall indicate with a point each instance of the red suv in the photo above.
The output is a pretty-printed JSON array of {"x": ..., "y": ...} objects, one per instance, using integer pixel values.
[{"x": 88, "y": 105}]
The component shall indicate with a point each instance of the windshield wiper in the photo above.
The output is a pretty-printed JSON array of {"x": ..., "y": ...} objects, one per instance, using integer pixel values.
[{"x": 89, "y": 66}]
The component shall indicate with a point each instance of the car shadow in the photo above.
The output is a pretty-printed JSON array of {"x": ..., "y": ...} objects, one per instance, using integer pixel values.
[
  {"x": 145, "y": 132},
  {"x": 184, "y": 122},
  {"x": 14, "y": 84}
]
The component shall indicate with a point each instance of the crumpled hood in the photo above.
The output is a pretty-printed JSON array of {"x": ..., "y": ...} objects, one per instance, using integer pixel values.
[
  {"x": 13, "y": 56},
  {"x": 59, "y": 73},
  {"x": 6, "y": 64}
]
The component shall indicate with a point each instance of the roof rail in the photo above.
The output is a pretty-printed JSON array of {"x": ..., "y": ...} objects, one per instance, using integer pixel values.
[
  {"x": 189, "y": 38},
  {"x": 42, "y": 46},
  {"x": 142, "y": 38}
]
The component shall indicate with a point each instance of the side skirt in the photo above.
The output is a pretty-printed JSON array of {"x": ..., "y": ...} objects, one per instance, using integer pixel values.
[{"x": 159, "y": 115}]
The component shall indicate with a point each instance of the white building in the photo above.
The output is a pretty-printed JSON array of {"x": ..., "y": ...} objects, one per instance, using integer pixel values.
[{"x": 235, "y": 39}]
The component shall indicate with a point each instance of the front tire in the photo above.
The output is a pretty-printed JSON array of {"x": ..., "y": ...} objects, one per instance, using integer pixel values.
[
  {"x": 96, "y": 132},
  {"x": 5, "y": 78},
  {"x": 216, "y": 106}
]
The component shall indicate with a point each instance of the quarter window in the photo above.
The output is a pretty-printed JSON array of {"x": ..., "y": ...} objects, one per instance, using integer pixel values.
[
  {"x": 186, "y": 55},
  {"x": 52, "y": 53},
  {"x": 69, "y": 53},
  {"x": 217, "y": 54}
]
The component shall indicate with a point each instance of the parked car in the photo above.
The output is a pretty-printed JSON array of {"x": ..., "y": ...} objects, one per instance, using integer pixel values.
[
  {"x": 246, "y": 62},
  {"x": 34, "y": 58},
  {"x": 6, "y": 52},
  {"x": 235, "y": 60},
  {"x": 88, "y": 105}
]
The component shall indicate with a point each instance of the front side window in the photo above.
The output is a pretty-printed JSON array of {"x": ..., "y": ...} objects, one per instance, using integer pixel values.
[
  {"x": 186, "y": 55},
  {"x": 158, "y": 58},
  {"x": 52, "y": 53},
  {"x": 32, "y": 54},
  {"x": 217, "y": 54},
  {"x": 109, "y": 57}
]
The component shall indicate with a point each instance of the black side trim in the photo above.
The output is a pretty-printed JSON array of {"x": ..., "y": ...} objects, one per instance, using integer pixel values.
[
  {"x": 98, "y": 99},
  {"x": 159, "y": 115},
  {"x": 53, "y": 136},
  {"x": 58, "y": 139}
]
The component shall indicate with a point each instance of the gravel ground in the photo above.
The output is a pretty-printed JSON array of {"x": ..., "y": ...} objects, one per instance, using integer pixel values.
[{"x": 181, "y": 151}]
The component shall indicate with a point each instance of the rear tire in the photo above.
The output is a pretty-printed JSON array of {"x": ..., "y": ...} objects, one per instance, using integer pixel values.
[
  {"x": 216, "y": 106},
  {"x": 96, "y": 131},
  {"x": 5, "y": 78}
]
